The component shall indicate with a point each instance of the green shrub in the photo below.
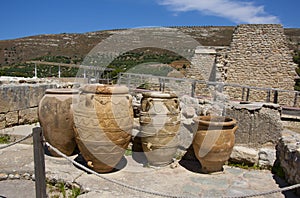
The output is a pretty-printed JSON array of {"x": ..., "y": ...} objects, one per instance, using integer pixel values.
[
  {"x": 296, "y": 59},
  {"x": 278, "y": 170},
  {"x": 4, "y": 139}
]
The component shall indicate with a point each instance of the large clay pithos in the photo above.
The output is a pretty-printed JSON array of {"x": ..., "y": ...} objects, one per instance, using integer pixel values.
[
  {"x": 56, "y": 119},
  {"x": 214, "y": 141},
  {"x": 103, "y": 120},
  {"x": 160, "y": 122}
]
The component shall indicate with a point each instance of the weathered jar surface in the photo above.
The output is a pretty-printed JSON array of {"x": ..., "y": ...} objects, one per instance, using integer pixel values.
[
  {"x": 56, "y": 119},
  {"x": 160, "y": 123},
  {"x": 214, "y": 141},
  {"x": 103, "y": 120}
]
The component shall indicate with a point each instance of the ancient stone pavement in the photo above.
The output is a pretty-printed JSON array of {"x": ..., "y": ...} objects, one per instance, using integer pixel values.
[{"x": 179, "y": 179}]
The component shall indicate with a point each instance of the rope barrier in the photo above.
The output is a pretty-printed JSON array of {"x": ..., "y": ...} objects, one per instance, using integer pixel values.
[
  {"x": 268, "y": 192},
  {"x": 162, "y": 194},
  {"x": 139, "y": 189},
  {"x": 112, "y": 180},
  {"x": 16, "y": 142}
]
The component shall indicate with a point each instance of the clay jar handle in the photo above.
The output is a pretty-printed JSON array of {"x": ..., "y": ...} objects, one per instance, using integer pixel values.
[
  {"x": 149, "y": 103},
  {"x": 235, "y": 128},
  {"x": 129, "y": 98},
  {"x": 176, "y": 101}
]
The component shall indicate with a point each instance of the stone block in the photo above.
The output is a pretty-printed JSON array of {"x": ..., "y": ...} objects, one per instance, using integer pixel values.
[
  {"x": 36, "y": 92},
  {"x": 18, "y": 97},
  {"x": 258, "y": 123},
  {"x": 15, "y": 97},
  {"x": 4, "y": 100},
  {"x": 12, "y": 118},
  {"x": 244, "y": 155},
  {"x": 28, "y": 116},
  {"x": 188, "y": 112},
  {"x": 266, "y": 157}
]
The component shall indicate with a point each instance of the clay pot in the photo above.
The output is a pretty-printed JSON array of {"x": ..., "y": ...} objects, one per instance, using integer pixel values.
[
  {"x": 56, "y": 119},
  {"x": 160, "y": 122},
  {"x": 214, "y": 141},
  {"x": 103, "y": 120}
]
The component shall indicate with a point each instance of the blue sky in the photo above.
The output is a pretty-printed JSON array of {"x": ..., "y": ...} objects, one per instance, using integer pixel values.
[{"x": 21, "y": 18}]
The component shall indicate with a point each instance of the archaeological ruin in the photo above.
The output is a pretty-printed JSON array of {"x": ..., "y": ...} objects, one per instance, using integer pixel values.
[{"x": 243, "y": 80}]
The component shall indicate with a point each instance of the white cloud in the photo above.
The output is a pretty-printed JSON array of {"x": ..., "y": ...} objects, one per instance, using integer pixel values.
[{"x": 236, "y": 11}]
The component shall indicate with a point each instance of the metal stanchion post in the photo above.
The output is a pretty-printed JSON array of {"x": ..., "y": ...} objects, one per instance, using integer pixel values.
[
  {"x": 248, "y": 94},
  {"x": 275, "y": 97},
  {"x": 193, "y": 89}
]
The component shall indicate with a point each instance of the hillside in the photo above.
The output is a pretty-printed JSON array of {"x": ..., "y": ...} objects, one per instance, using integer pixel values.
[
  {"x": 72, "y": 48},
  {"x": 293, "y": 36},
  {"x": 76, "y": 46}
]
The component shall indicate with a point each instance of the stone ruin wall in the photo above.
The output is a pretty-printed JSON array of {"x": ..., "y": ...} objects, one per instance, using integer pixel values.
[
  {"x": 19, "y": 99},
  {"x": 259, "y": 56}
]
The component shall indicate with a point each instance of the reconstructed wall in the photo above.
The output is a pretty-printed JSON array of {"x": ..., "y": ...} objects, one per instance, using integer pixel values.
[
  {"x": 259, "y": 56},
  {"x": 203, "y": 67},
  {"x": 203, "y": 64}
]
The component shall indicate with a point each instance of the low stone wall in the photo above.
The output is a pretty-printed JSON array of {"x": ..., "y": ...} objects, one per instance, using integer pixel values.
[
  {"x": 19, "y": 99},
  {"x": 288, "y": 154}
]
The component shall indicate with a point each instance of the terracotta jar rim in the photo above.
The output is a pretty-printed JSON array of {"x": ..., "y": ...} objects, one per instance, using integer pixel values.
[
  {"x": 62, "y": 91},
  {"x": 215, "y": 120},
  {"x": 156, "y": 94},
  {"x": 104, "y": 89}
]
